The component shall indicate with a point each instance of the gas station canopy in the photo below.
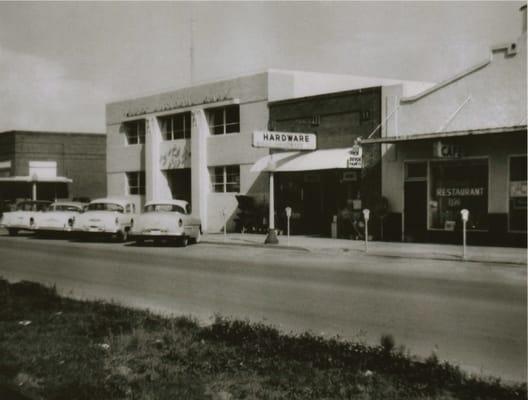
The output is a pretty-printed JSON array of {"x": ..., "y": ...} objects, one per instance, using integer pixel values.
[{"x": 51, "y": 179}]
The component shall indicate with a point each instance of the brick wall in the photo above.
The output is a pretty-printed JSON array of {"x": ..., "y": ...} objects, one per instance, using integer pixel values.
[{"x": 80, "y": 157}]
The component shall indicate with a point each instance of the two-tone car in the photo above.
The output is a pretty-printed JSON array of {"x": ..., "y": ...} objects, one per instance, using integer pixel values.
[
  {"x": 58, "y": 217},
  {"x": 23, "y": 218},
  {"x": 106, "y": 217},
  {"x": 167, "y": 220}
]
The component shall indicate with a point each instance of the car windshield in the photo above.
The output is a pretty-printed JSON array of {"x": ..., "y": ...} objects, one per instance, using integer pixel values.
[
  {"x": 163, "y": 207},
  {"x": 105, "y": 207},
  {"x": 63, "y": 207},
  {"x": 32, "y": 206}
]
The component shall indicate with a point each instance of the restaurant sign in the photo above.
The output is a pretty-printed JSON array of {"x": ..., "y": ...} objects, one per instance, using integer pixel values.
[
  {"x": 285, "y": 140},
  {"x": 459, "y": 191}
]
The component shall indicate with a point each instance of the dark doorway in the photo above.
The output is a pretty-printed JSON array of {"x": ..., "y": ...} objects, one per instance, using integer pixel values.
[
  {"x": 313, "y": 205},
  {"x": 415, "y": 213},
  {"x": 179, "y": 181}
]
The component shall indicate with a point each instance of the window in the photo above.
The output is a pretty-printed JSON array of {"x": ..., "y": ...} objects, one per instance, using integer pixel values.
[
  {"x": 105, "y": 207},
  {"x": 456, "y": 185},
  {"x": 223, "y": 120},
  {"x": 5, "y": 168},
  {"x": 176, "y": 126},
  {"x": 415, "y": 171},
  {"x": 226, "y": 179},
  {"x": 64, "y": 207},
  {"x": 517, "y": 215},
  {"x": 164, "y": 208},
  {"x": 135, "y": 131},
  {"x": 136, "y": 182}
]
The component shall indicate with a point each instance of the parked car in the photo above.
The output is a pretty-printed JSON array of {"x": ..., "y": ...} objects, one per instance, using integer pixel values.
[
  {"x": 111, "y": 216},
  {"x": 23, "y": 218},
  {"x": 58, "y": 217},
  {"x": 167, "y": 220}
]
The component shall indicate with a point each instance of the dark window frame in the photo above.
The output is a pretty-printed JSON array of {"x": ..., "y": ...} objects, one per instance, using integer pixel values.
[
  {"x": 136, "y": 183},
  {"x": 221, "y": 123},
  {"x": 135, "y": 131},
  {"x": 225, "y": 179}
]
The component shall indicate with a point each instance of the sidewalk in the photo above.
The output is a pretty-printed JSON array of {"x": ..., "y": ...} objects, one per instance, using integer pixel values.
[{"x": 503, "y": 255}]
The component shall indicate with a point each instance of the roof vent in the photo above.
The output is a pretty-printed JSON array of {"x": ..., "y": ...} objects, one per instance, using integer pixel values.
[{"x": 512, "y": 49}]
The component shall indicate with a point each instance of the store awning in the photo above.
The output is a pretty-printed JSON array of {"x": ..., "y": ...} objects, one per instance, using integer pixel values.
[
  {"x": 443, "y": 135},
  {"x": 51, "y": 179},
  {"x": 290, "y": 161}
]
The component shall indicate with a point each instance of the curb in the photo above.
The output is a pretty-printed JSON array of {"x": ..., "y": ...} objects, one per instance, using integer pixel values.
[
  {"x": 258, "y": 245},
  {"x": 344, "y": 250}
]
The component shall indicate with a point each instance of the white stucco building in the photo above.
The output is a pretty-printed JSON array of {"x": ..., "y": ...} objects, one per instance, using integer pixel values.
[{"x": 195, "y": 143}]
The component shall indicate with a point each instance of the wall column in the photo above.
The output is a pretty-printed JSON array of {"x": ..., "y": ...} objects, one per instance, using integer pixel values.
[
  {"x": 199, "y": 173},
  {"x": 157, "y": 187}
]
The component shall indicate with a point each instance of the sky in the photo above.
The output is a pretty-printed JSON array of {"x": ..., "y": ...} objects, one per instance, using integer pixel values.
[{"x": 60, "y": 63}]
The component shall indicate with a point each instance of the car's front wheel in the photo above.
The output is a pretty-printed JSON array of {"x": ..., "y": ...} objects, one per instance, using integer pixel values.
[
  {"x": 184, "y": 241},
  {"x": 198, "y": 237}
]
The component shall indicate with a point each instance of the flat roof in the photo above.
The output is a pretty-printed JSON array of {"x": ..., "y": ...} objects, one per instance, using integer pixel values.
[
  {"x": 52, "y": 132},
  {"x": 440, "y": 135}
]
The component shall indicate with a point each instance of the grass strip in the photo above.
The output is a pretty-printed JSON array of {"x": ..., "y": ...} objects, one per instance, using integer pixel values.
[{"x": 52, "y": 347}]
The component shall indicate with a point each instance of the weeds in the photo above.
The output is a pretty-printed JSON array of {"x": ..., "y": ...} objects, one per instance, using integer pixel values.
[{"x": 88, "y": 350}]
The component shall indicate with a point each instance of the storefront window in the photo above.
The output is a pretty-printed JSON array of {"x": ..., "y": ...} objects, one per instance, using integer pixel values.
[
  {"x": 455, "y": 185},
  {"x": 517, "y": 215}
]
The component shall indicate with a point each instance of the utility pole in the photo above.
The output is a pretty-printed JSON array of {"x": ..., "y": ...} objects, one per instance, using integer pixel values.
[{"x": 191, "y": 50}]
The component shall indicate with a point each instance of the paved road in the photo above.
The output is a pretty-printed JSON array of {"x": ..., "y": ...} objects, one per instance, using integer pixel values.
[{"x": 469, "y": 313}]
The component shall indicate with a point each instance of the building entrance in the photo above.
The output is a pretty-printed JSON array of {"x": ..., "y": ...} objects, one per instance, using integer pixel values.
[
  {"x": 315, "y": 198},
  {"x": 179, "y": 181}
]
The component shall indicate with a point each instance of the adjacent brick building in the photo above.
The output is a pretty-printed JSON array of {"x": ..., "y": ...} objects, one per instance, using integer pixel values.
[{"x": 51, "y": 165}]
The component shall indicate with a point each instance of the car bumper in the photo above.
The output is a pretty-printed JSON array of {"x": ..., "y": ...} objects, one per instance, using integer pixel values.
[
  {"x": 153, "y": 234},
  {"x": 17, "y": 226},
  {"x": 52, "y": 229}
]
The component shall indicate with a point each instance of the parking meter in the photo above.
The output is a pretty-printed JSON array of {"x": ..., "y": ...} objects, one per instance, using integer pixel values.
[
  {"x": 465, "y": 217},
  {"x": 288, "y": 216},
  {"x": 366, "y": 216}
]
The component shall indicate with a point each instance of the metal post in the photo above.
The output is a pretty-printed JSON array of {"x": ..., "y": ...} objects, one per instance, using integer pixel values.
[
  {"x": 465, "y": 217},
  {"x": 288, "y": 215},
  {"x": 366, "y": 215},
  {"x": 271, "y": 202},
  {"x": 272, "y": 235},
  {"x": 464, "y": 239},
  {"x": 224, "y": 213},
  {"x": 34, "y": 191}
]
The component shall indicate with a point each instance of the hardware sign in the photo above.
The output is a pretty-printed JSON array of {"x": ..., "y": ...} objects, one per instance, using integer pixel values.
[{"x": 285, "y": 140}]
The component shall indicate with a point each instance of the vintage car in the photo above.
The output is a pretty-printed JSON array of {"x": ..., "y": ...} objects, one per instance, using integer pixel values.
[
  {"x": 167, "y": 220},
  {"x": 111, "y": 216},
  {"x": 58, "y": 217},
  {"x": 23, "y": 218}
]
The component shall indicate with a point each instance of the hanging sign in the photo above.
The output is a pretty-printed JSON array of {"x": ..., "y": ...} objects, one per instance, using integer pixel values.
[
  {"x": 355, "y": 157},
  {"x": 285, "y": 140},
  {"x": 447, "y": 150}
]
